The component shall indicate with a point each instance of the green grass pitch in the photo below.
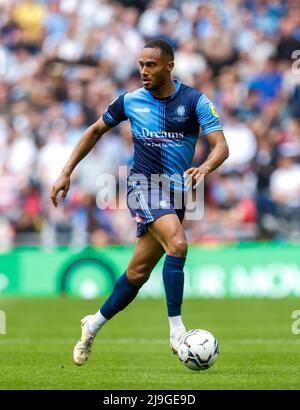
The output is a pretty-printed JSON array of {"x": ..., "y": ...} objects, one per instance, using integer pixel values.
[{"x": 257, "y": 347}]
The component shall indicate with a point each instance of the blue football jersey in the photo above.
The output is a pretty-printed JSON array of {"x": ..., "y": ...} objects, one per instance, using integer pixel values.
[{"x": 164, "y": 130}]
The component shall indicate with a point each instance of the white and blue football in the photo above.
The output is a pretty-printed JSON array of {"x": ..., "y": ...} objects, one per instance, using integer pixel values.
[{"x": 198, "y": 349}]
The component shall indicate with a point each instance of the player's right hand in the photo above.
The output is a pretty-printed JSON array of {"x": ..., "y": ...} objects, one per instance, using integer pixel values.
[{"x": 61, "y": 184}]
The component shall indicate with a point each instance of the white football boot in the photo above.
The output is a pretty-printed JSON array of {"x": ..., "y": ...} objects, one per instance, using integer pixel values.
[
  {"x": 175, "y": 342},
  {"x": 83, "y": 347}
]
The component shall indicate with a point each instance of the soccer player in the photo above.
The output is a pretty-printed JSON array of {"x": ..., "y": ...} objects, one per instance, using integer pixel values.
[{"x": 165, "y": 117}]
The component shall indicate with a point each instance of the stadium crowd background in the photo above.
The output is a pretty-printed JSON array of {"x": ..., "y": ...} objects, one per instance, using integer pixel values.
[{"x": 64, "y": 61}]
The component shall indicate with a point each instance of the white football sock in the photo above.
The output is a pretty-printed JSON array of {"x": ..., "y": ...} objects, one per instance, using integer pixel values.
[
  {"x": 96, "y": 322},
  {"x": 176, "y": 326}
]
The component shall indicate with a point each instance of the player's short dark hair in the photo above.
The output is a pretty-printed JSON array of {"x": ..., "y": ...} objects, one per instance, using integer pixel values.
[{"x": 165, "y": 48}]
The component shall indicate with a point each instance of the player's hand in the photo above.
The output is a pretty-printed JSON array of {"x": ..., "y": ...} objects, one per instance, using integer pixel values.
[
  {"x": 194, "y": 176},
  {"x": 62, "y": 184}
]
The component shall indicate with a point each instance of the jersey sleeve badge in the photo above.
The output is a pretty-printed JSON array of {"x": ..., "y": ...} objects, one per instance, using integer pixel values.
[{"x": 213, "y": 110}]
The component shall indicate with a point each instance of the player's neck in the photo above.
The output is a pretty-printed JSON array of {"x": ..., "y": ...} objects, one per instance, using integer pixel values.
[{"x": 165, "y": 90}]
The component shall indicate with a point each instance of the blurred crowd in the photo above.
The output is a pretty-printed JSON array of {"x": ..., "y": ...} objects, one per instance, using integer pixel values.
[{"x": 62, "y": 63}]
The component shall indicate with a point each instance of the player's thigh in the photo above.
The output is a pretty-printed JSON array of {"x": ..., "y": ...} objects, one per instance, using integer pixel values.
[
  {"x": 147, "y": 253},
  {"x": 168, "y": 231}
]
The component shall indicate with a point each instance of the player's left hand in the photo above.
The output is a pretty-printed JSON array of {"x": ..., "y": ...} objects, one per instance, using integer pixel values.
[{"x": 194, "y": 176}]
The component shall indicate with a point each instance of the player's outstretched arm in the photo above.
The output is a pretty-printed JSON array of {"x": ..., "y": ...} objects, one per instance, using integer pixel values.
[
  {"x": 84, "y": 146},
  {"x": 217, "y": 156}
]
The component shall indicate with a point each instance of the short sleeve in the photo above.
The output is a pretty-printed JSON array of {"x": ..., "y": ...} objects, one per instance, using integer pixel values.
[
  {"x": 115, "y": 112},
  {"x": 207, "y": 115}
]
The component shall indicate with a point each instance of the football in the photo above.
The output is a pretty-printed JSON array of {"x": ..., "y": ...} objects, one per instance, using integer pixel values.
[{"x": 198, "y": 349}]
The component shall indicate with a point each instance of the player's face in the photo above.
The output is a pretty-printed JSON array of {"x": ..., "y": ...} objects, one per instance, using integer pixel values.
[{"x": 155, "y": 68}]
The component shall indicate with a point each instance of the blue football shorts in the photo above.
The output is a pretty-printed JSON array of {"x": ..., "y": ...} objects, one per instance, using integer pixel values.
[{"x": 148, "y": 203}]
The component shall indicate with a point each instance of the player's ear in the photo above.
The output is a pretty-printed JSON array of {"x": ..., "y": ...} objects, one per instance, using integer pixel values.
[{"x": 170, "y": 65}]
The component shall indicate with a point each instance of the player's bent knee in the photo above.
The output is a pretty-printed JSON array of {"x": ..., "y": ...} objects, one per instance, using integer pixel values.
[{"x": 177, "y": 247}]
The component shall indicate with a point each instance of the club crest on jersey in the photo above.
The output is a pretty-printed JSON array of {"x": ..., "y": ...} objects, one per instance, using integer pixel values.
[{"x": 181, "y": 110}]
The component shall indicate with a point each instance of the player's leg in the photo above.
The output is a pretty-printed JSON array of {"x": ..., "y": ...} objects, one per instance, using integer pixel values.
[
  {"x": 168, "y": 231},
  {"x": 146, "y": 255}
]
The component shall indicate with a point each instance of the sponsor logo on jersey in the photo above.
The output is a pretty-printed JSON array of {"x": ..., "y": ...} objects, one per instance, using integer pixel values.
[
  {"x": 145, "y": 109},
  {"x": 162, "y": 134}
]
